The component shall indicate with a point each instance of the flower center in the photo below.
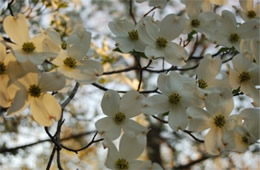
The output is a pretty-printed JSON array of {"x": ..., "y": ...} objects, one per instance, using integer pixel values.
[
  {"x": 195, "y": 23},
  {"x": 64, "y": 45},
  {"x": 244, "y": 77},
  {"x": 28, "y": 47},
  {"x": 133, "y": 35},
  {"x": 34, "y": 91},
  {"x": 219, "y": 121},
  {"x": 233, "y": 38},
  {"x": 251, "y": 14},
  {"x": 122, "y": 164},
  {"x": 161, "y": 42},
  {"x": 245, "y": 140},
  {"x": 119, "y": 117},
  {"x": 202, "y": 84},
  {"x": 2, "y": 68},
  {"x": 70, "y": 62},
  {"x": 174, "y": 98}
]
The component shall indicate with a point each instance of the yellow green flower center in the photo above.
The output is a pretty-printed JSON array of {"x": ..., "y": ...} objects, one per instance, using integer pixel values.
[
  {"x": 2, "y": 68},
  {"x": 28, "y": 47},
  {"x": 70, "y": 62},
  {"x": 34, "y": 91},
  {"x": 133, "y": 35},
  {"x": 245, "y": 140},
  {"x": 174, "y": 98},
  {"x": 64, "y": 45},
  {"x": 202, "y": 84},
  {"x": 219, "y": 121},
  {"x": 119, "y": 117},
  {"x": 195, "y": 23},
  {"x": 161, "y": 42},
  {"x": 233, "y": 38},
  {"x": 122, "y": 164},
  {"x": 244, "y": 77},
  {"x": 251, "y": 14}
]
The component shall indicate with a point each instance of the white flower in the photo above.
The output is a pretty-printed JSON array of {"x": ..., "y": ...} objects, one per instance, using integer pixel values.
[
  {"x": 119, "y": 112},
  {"x": 229, "y": 35},
  {"x": 245, "y": 75},
  {"x": 72, "y": 63},
  {"x": 245, "y": 132},
  {"x": 249, "y": 10},
  {"x": 33, "y": 92},
  {"x": 127, "y": 36},
  {"x": 25, "y": 48},
  {"x": 177, "y": 94},
  {"x": 159, "y": 39},
  {"x": 215, "y": 118},
  {"x": 129, "y": 149}
]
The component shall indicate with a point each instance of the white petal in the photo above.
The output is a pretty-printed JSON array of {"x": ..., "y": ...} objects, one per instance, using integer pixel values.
[
  {"x": 110, "y": 103},
  {"x": 132, "y": 127},
  {"x": 51, "y": 81},
  {"x": 19, "y": 102},
  {"x": 125, "y": 44},
  {"x": 213, "y": 141},
  {"x": 107, "y": 127},
  {"x": 138, "y": 142},
  {"x": 156, "y": 104},
  {"x": 178, "y": 118},
  {"x": 112, "y": 154},
  {"x": 176, "y": 25},
  {"x": 170, "y": 83},
  {"x": 175, "y": 54},
  {"x": 120, "y": 27},
  {"x": 152, "y": 51},
  {"x": 199, "y": 119},
  {"x": 131, "y": 104},
  {"x": 251, "y": 118}
]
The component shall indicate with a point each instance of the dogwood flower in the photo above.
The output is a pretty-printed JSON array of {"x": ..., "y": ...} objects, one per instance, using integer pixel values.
[
  {"x": 229, "y": 35},
  {"x": 71, "y": 62},
  {"x": 178, "y": 92},
  {"x": 249, "y": 10},
  {"x": 245, "y": 75},
  {"x": 158, "y": 38},
  {"x": 119, "y": 111},
  {"x": 127, "y": 37},
  {"x": 125, "y": 158},
  {"x": 245, "y": 132},
  {"x": 33, "y": 91},
  {"x": 215, "y": 118},
  {"x": 25, "y": 48}
]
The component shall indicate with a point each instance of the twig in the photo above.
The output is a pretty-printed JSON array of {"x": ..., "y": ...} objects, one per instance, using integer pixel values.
[
  {"x": 161, "y": 120},
  {"x": 131, "y": 11},
  {"x": 191, "y": 135},
  {"x": 51, "y": 158},
  {"x": 9, "y": 7},
  {"x": 71, "y": 96},
  {"x": 187, "y": 166},
  {"x": 151, "y": 10},
  {"x": 120, "y": 71}
]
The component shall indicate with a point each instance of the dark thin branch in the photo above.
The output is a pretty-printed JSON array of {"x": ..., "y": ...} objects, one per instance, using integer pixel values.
[
  {"x": 10, "y": 8},
  {"x": 131, "y": 11},
  {"x": 194, "y": 137},
  {"x": 187, "y": 166},
  {"x": 51, "y": 158},
  {"x": 120, "y": 71},
  {"x": 151, "y": 10},
  {"x": 5, "y": 150},
  {"x": 173, "y": 68},
  {"x": 58, "y": 159},
  {"x": 85, "y": 147},
  {"x": 160, "y": 120},
  {"x": 123, "y": 91},
  {"x": 71, "y": 96}
]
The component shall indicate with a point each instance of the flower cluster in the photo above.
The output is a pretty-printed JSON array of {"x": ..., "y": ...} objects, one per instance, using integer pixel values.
[
  {"x": 203, "y": 100},
  {"x": 24, "y": 82}
]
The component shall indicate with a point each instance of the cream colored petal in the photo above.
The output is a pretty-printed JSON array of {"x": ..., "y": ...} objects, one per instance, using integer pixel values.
[
  {"x": 131, "y": 104},
  {"x": 156, "y": 104},
  {"x": 213, "y": 141},
  {"x": 16, "y": 28},
  {"x": 178, "y": 119}
]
